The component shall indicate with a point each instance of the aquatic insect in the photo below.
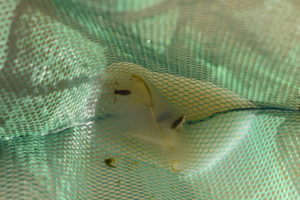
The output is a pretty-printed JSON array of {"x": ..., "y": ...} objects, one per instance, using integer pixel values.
[
  {"x": 178, "y": 122},
  {"x": 122, "y": 92},
  {"x": 110, "y": 162}
]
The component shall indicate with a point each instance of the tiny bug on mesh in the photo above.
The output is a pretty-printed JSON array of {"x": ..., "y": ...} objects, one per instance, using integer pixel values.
[
  {"x": 122, "y": 92},
  {"x": 178, "y": 122},
  {"x": 110, "y": 162}
]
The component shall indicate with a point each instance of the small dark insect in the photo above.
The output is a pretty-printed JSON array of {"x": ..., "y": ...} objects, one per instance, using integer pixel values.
[
  {"x": 122, "y": 92},
  {"x": 177, "y": 122},
  {"x": 110, "y": 162}
]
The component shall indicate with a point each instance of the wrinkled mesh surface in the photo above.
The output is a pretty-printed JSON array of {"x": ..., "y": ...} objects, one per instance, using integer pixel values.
[{"x": 231, "y": 67}]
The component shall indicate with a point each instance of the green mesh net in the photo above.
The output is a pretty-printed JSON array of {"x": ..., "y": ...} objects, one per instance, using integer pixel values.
[{"x": 139, "y": 99}]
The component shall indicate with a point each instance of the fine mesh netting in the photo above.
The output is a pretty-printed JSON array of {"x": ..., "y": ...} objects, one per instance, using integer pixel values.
[{"x": 139, "y": 99}]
